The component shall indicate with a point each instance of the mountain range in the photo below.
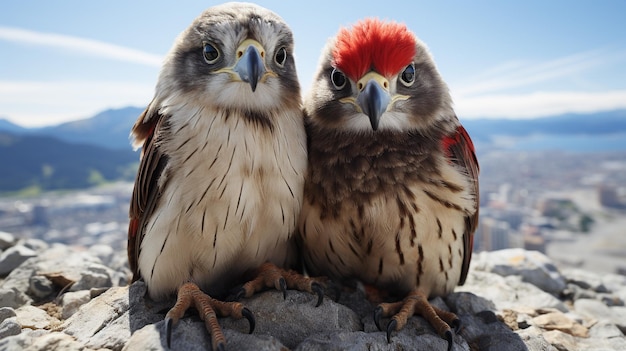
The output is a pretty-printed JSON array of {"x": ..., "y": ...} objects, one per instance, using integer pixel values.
[{"x": 96, "y": 149}]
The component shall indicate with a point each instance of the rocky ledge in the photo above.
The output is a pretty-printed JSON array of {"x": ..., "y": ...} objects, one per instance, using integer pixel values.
[{"x": 56, "y": 297}]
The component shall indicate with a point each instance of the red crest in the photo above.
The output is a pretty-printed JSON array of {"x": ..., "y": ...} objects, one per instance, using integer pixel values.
[{"x": 386, "y": 47}]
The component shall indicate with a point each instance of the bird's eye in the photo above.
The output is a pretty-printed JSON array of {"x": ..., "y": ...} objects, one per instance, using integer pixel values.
[
  {"x": 408, "y": 75},
  {"x": 338, "y": 79},
  {"x": 281, "y": 56},
  {"x": 210, "y": 53}
]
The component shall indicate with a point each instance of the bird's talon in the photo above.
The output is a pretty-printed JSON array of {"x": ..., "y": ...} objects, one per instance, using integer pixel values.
[
  {"x": 319, "y": 290},
  {"x": 250, "y": 317},
  {"x": 221, "y": 347},
  {"x": 168, "y": 331},
  {"x": 391, "y": 327},
  {"x": 283, "y": 287},
  {"x": 449, "y": 336},
  {"x": 378, "y": 312}
]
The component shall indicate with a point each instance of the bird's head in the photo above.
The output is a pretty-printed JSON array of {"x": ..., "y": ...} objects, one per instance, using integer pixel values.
[
  {"x": 234, "y": 56},
  {"x": 377, "y": 76}
]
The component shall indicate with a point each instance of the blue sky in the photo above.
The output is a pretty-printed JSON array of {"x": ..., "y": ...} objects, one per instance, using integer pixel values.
[{"x": 66, "y": 60}]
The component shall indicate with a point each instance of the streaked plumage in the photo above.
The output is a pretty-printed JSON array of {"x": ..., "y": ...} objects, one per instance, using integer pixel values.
[
  {"x": 219, "y": 187},
  {"x": 391, "y": 195}
]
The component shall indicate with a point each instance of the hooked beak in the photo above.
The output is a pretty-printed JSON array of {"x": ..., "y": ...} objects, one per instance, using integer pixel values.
[
  {"x": 374, "y": 97},
  {"x": 250, "y": 66}
]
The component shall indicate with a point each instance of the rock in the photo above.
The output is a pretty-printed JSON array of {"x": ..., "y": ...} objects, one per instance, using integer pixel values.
[
  {"x": 9, "y": 327},
  {"x": 532, "y": 266},
  {"x": 356, "y": 341},
  {"x": 559, "y": 321},
  {"x": 534, "y": 340},
  {"x": 561, "y": 341},
  {"x": 14, "y": 256},
  {"x": 32, "y": 317},
  {"x": 497, "y": 312},
  {"x": 99, "y": 316},
  {"x": 104, "y": 252},
  {"x": 595, "y": 309},
  {"x": 293, "y": 319},
  {"x": 584, "y": 279},
  {"x": 94, "y": 275},
  {"x": 40, "y": 287},
  {"x": 6, "y": 312},
  {"x": 6, "y": 240},
  {"x": 509, "y": 292},
  {"x": 36, "y": 245},
  {"x": 71, "y": 302}
]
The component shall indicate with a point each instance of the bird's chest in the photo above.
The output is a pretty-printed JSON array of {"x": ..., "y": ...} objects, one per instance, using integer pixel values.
[
  {"x": 238, "y": 178},
  {"x": 400, "y": 232}
]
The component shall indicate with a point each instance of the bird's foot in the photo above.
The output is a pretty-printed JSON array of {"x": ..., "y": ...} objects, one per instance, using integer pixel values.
[
  {"x": 417, "y": 303},
  {"x": 209, "y": 309},
  {"x": 271, "y": 276}
]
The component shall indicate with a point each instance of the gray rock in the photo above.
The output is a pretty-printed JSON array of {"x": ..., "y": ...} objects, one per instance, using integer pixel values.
[
  {"x": 6, "y": 240},
  {"x": 532, "y": 266},
  {"x": 40, "y": 286},
  {"x": 13, "y": 298},
  {"x": 356, "y": 341},
  {"x": 35, "y": 244},
  {"x": 41, "y": 340},
  {"x": 14, "y": 256},
  {"x": 293, "y": 319},
  {"x": 104, "y": 252},
  {"x": 509, "y": 292},
  {"x": 534, "y": 339},
  {"x": 99, "y": 314},
  {"x": 584, "y": 279},
  {"x": 72, "y": 301},
  {"x": 594, "y": 309},
  {"x": 94, "y": 275},
  {"x": 9, "y": 327},
  {"x": 6, "y": 312}
]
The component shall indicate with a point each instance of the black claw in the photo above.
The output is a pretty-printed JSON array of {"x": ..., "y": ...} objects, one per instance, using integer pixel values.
[
  {"x": 391, "y": 327},
  {"x": 319, "y": 290},
  {"x": 283, "y": 287},
  {"x": 449, "y": 336},
  {"x": 168, "y": 331},
  {"x": 456, "y": 325},
  {"x": 221, "y": 347},
  {"x": 378, "y": 312},
  {"x": 250, "y": 317}
]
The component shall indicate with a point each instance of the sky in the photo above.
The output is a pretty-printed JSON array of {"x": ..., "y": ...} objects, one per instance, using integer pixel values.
[{"x": 68, "y": 60}]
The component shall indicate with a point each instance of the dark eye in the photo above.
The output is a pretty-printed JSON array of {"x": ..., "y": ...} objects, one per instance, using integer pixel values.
[
  {"x": 281, "y": 56},
  {"x": 408, "y": 75},
  {"x": 210, "y": 53},
  {"x": 338, "y": 78}
]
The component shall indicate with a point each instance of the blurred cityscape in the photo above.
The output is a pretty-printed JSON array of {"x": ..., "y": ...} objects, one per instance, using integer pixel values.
[{"x": 571, "y": 206}]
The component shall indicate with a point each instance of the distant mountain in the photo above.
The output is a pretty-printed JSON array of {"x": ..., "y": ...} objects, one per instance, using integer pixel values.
[
  {"x": 46, "y": 163},
  {"x": 110, "y": 129},
  {"x": 601, "y": 131},
  {"x": 609, "y": 122},
  {"x": 7, "y": 126}
]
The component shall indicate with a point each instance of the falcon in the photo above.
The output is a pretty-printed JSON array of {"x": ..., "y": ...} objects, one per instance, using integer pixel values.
[
  {"x": 391, "y": 193},
  {"x": 220, "y": 183}
]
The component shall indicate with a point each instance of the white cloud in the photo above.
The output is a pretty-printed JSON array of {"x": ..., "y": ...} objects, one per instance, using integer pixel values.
[
  {"x": 538, "y": 104},
  {"x": 31, "y": 103},
  {"x": 82, "y": 45},
  {"x": 518, "y": 74}
]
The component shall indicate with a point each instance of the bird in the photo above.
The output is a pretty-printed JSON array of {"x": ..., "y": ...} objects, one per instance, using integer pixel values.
[
  {"x": 391, "y": 193},
  {"x": 223, "y": 157}
]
